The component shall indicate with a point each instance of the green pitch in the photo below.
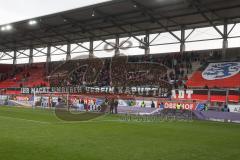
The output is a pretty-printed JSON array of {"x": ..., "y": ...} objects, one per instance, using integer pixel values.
[{"x": 27, "y": 134}]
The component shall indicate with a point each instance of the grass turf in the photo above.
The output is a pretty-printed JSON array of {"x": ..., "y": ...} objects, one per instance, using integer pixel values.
[{"x": 27, "y": 134}]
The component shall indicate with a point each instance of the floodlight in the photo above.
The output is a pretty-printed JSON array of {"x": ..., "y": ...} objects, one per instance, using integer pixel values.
[
  {"x": 32, "y": 22},
  {"x": 3, "y": 28},
  {"x": 8, "y": 27},
  {"x": 93, "y": 13}
]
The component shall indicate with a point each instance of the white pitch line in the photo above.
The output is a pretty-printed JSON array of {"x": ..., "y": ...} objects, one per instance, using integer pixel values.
[{"x": 29, "y": 120}]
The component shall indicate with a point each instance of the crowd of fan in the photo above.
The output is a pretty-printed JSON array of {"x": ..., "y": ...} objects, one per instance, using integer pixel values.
[
  {"x": 178, "y": 65},
  {"x": 4, "y": 76},
  {"x": 105, "y": 74},
  {"x": 169, "y": 71},
  {"x": 123, "y": 71},
  {"x": 138, "y": 74},
  {"x": 79, "y": 72},
  {"x": 77, "y": 76}
]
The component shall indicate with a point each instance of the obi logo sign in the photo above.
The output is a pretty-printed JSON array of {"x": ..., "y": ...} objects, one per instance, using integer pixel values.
[
  {"x": 184, "y": 105},
  {"x": 216, "y": 71}
]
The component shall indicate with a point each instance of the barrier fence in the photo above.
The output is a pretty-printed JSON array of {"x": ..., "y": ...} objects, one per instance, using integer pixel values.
[{"x": 190, "y": 99}]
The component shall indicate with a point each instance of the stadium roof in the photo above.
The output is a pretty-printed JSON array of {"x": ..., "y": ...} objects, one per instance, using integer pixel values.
[
  {"x": 14, "y": 11},
  {"x": 118, "y": 17}
]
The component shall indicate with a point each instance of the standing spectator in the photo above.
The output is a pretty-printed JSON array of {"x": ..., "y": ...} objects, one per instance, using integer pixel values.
[
  {"x": 116, "y": 106},
  {"x": 112, "y": 106},
  {"x": 161, "y": 106},
  {"x": 143, "y": 104},
  {"x": 153, "y": 105}
]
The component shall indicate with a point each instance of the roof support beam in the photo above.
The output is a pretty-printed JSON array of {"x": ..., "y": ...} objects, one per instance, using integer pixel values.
[
  {"x": 117, "y": 46},
  {"x": 155, "y": 38},
  {"x": 148, "y": 12},
  {"x": 91, "y": 49},
  {"x": 39, "y": 51},
  {"x": 7, "y": 54},
  {"x": 189, "y": 34},
  {"x": 114, "y": 22},
  {"x": 225, "y": 39},
  {"x": 48, "y": 60},
  {"x": 68, "y": 56},
  {"x": 147, "y": 41},
  {"x": 92, "y": 24},
  {"x": 31, "y": 55},
  {"x": 182, "y": 45},
  {"x": 51, "y": 29},
  {"x": 80, "y": 45},
  {"x": 197, "y": 5},
  {"x": 2, "y": 55},
  {"x": 22, "y": 53},
  {"x": 49, "y": 53},
  {"x": 83, "y": 29},
  {"x": 230, "y": 31},
  {"x": 14, "y": 57},
  {"x": 60, "y": 48}
]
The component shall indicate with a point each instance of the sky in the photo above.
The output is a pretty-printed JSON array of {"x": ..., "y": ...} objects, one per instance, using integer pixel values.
[{"x": 17, "y": 10}]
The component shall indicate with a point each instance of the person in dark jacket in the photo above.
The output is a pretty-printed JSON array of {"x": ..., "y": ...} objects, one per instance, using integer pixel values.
[
  {"x": 153, "y": 105},
  {"x": 111, "y": 106},
  {"x": 116, "y": 106}
]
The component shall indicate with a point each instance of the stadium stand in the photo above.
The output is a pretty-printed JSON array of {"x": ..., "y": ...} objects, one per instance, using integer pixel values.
[
  {"x": 24, "y": 75},
  {"x": 77, "y": 72},
  {"x": 198, "y": 81},
  {"x": 168, "y": 71}
]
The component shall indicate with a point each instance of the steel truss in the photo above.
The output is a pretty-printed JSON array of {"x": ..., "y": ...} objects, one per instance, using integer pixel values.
[{"x": 62, "y": 44}]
